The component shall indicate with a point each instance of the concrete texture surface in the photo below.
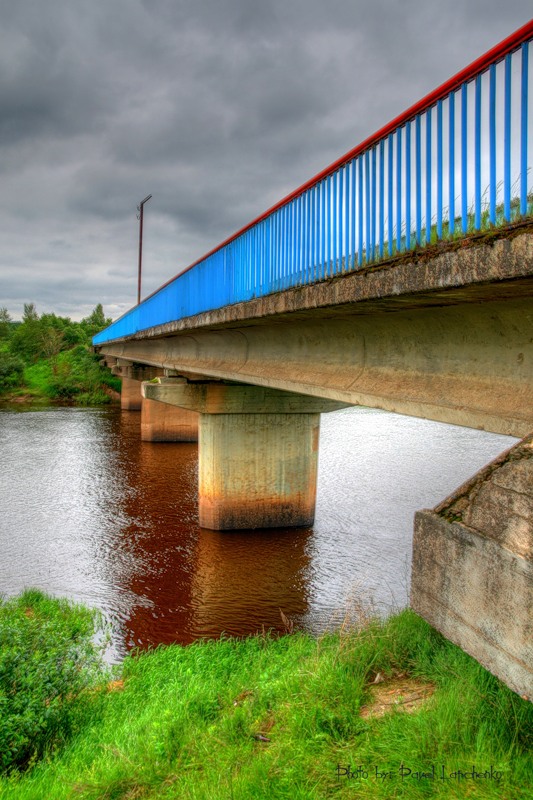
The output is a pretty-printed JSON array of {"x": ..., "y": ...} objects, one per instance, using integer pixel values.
[
  {"x": 257, "y": 470},
  {"x": 130, "y": 395},
  {"x": 472, "y": 574},
  {"x": 161, "y": 422}
]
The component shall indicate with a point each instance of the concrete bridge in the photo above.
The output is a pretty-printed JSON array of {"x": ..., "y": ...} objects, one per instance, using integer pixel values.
[{"x": 389, "y": 281}]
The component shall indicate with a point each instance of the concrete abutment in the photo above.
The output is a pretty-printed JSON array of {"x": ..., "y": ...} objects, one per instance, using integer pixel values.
[{"x": 472, "y": 574}]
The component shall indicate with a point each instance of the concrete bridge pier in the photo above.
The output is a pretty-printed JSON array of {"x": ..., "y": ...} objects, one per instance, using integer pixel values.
[
  {"x": 258, "y": 451},
  {"x": 132, "y": 375},
  {"x": 161, "y": 422},
  {"x": 130, "y": 395}
]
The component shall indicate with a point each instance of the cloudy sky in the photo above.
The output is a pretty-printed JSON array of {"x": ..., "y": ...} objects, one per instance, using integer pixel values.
[{"x": 218, "y": 108}]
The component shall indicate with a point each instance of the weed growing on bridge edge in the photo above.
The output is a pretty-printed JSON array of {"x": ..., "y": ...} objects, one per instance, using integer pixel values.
[{"x": 267, "y": 717}]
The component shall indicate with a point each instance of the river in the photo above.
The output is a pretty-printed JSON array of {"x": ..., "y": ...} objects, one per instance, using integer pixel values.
[{"x": 90, "y": 512}]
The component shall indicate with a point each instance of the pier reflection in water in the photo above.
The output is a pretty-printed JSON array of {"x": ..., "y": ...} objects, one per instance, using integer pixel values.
[{"x": 91, "y": 512}]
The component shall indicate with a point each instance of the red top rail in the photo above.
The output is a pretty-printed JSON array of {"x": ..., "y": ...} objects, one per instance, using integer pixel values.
[{"x": 478, "y": 66}]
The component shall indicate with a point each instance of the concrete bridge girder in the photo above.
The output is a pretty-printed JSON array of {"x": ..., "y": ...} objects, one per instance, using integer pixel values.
[{"x": 468, "y": 364}]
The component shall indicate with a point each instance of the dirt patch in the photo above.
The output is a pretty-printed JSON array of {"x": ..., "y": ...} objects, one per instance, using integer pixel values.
[{"x": 400, "y": 692}]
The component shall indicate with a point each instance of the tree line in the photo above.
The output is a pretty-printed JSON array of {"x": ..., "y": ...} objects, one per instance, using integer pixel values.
[{"x": 49, "y": 357}]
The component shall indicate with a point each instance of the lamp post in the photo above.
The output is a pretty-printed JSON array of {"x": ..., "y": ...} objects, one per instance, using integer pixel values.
[{"x": 140, "y": 209}]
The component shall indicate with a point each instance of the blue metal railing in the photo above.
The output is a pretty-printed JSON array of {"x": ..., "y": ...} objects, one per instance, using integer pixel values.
[{"x": 457, "y": 162}]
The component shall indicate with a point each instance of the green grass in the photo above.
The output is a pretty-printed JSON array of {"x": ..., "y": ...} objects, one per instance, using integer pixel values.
[{"x": 275, "y": 717}]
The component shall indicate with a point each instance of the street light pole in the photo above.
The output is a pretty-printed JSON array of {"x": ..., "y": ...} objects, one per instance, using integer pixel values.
[{"x": 140, "y": 209}]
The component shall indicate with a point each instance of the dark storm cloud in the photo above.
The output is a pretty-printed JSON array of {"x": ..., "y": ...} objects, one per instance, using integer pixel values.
[{"x": 216, "y": 107}]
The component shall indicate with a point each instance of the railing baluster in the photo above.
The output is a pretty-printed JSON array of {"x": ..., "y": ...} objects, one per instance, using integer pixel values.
[
  {"x": 408, "y": 185},
  {"x": 523, "y": 128},
  {"x": 477, "y": 155},
  {"x": 298, "y": 246},
  {"x": 464, "y": 156},
  {"x": 360, "y": 209},
  {"x": 266, "y": 252},
  {"x": 323, "y": 212},
  {"x": 368, "y": 209},
  {"x": 399, "y": 190},
  {"x": 418, "y": 174},
  {"x": 284, "y": 240},
  {"x": 338, "y": 215},
  {"x": 312, "y": 233},
  {"x": 329, "y": 226},
  {"x": 492, "y": 144},
  {"x": 353, "y": 170},
  {"x": 346, "y": 216},
  {"x": 307, "y": 237},
  {"x": 439, "y": 169},
  {"x": 390, "y": 173},
  {"x": 381, "y": 197},
  {"x": 451, "y": 166},
  {"x": 507, "y": 142},
  {"x": 429, "y": 185},
  {"x": 305, "y": 251},
  {"x": 291, "y": 244},
  {"x": 373, "y": 214}
]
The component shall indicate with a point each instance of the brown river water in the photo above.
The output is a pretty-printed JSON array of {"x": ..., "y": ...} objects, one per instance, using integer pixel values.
[{"x": 89, "y": 512}]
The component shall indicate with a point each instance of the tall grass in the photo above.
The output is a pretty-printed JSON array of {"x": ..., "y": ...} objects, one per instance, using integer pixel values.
[{"x": 271, "y": 717}]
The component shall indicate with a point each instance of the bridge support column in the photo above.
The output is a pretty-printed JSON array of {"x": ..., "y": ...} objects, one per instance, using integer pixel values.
[
  {"x": 130, "y": 395},
  {"x": 258, "y": 452},
  {"x": 472, "y": 575},
  {"x": 161, "y": 422},
  {"x": 132, "y": 375},
  {"x": 257, "y": 470}
]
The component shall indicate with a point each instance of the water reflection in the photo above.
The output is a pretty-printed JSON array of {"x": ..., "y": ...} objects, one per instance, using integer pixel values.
[
  {"x": 91, "y": 512},
  {"x": 243, "y": 579}
]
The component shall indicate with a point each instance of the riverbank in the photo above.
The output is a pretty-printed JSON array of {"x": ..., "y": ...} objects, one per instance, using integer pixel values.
[
  {"x": 50, "y": 359},
  {"x": 378, "y": 709},
  {"x": 27, "y": 399}
]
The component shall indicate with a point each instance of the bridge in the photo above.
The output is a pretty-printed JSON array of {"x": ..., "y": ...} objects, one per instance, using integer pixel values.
[{"x": 400, "y": 277}]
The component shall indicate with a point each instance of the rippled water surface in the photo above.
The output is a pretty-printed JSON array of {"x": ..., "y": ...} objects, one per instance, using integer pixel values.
[{"x": 90, "y": 512}]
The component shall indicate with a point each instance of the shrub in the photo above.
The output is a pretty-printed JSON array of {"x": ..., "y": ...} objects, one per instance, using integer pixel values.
[
  {"x": 11, "y": 370},
  {"x": 48, "y": 660}
]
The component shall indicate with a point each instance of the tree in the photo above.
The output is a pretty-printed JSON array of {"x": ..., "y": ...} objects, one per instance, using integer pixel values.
[
  {"x": 96, "y": 321},
  {"x": 30, "y": 313},
  {"x": 5, "y": 323},
  {"x": 11, "y": 371},
  {"x": 52, "y": 341},
  {"x": 25, "y": 340}
]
